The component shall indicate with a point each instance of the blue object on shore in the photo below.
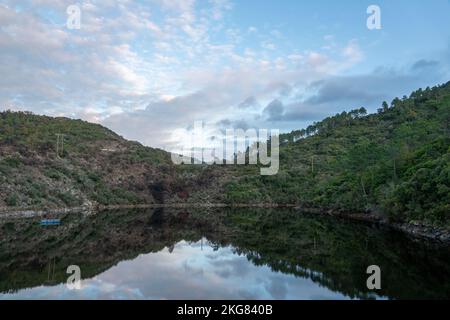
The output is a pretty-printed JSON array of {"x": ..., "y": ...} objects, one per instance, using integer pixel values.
[{"x": 50, "y": 222}]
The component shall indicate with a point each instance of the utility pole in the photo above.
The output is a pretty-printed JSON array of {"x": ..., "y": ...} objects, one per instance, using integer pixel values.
[
  {"x": 59, "y": 144},
  {"x": 312, "y": 164},
  {"x": 51, "y": 271},
  {"x": 395, "y": 172}
]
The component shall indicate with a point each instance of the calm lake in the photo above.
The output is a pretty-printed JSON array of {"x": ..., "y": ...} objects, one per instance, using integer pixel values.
[{"x": 217, "y": 254}]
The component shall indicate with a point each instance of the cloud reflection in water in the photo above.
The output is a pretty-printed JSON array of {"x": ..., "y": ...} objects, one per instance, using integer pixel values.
[{"x": 190, "y": 271}]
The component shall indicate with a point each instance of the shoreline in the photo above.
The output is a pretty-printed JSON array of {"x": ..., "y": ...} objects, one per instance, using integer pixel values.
[{"x": 417, "y": 230}]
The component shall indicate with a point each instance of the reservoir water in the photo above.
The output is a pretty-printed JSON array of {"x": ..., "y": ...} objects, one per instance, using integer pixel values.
[{"x": 226, "y": 254}]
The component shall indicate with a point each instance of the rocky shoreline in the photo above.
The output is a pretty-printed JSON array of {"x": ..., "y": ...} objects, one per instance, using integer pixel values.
[{"x": 413, "y": 229}]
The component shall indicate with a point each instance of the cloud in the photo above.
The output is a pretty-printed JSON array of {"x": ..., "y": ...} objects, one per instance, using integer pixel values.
[
  {"x": 371, "y": 89},
  {"x": 424, "y": 64},
  {"x": 52, "y": 66},
  {"x": 233, "y": 124},
  {"x": 342, "y": 89},
  {"x": 54, "y": 70},
  {"x": 300, "y": 112},
  {"x": 250, "y": 102},
  {"x": 353, "y": 52},
  {"x": 274, "y": 110}
]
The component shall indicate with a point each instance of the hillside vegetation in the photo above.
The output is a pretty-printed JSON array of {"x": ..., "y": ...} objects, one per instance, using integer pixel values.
[
  {"x": 395, "y": 162},
  {"x": 93, "y": 164}
]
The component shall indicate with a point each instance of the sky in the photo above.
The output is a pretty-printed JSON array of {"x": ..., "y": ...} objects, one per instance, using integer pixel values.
[
  {"x": 147, "y": 69},
  {"x": 196, "y": 270}
]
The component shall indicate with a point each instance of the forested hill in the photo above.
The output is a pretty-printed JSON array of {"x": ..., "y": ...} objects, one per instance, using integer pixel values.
[
  {"x": 90, "y": 164},
  {"x": 395, "y": 163}
]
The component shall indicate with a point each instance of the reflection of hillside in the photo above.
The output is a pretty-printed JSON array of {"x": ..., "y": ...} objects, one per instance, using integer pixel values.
[
  {"x": 332, "y": 253},
  {"x": 95, "y": 243},
  {"x": 336, "y": 254}
]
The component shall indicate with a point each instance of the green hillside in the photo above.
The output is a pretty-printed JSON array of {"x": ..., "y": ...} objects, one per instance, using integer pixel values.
[
  {"x": 93, "y": 164},
  {"x": 395, "y": 162}
]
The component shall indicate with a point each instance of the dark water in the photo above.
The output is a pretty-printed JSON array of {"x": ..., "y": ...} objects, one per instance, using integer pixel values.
[{"x": 228, "y": 254}]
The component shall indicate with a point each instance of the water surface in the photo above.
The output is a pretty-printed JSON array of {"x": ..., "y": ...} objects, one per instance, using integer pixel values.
[{"x": 227, "y": 254}]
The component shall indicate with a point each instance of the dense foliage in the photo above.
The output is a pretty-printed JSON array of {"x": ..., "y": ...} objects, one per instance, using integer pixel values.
[{"x": 395, "y": 162}]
